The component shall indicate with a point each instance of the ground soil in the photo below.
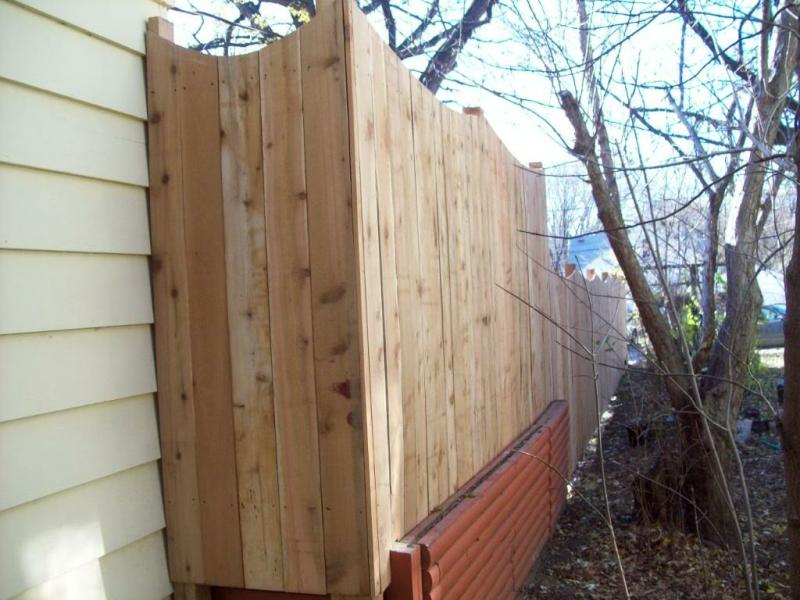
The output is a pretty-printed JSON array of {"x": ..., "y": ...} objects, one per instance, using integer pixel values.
[{"x": 579, "y": 561}]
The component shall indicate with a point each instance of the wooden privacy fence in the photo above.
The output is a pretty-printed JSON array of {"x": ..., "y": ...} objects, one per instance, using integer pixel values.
[
  {"x": 592, "y": 314},
  {"x": 341, "y": 289}
]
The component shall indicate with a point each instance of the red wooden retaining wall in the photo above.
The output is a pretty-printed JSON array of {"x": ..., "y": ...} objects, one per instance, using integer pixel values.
[{"x": 485, "y": 539}]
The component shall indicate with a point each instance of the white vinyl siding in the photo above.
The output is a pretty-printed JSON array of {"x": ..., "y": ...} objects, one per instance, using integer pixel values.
[
  {"x": 81, "y": 514},
  {"x": 125, "y": 574},
  {"x": 51, "y": 536},
  {"x": 42, "y": 210},
  {"x": 108, "y": 76},
  {"x": 119, "y": 26},
  {"x": 82, "y": 366},
  {"x": 58, "y": 134},
  {"x": 48, "y": 291},
  {"x": 46, "y": 454}
]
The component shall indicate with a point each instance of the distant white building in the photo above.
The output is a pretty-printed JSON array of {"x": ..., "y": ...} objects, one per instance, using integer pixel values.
[
  {"x": 592, "y": 252},
  {"x": 772, "y": 287}
]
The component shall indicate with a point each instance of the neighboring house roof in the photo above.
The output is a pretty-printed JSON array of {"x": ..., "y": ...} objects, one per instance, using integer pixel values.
[{"x": 592, "y": 252}]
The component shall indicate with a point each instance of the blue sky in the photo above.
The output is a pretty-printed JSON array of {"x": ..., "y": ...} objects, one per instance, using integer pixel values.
[{"x": 521, "y": 133}]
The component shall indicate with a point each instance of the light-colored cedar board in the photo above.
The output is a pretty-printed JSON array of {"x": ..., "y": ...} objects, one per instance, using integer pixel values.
[
  {"x": 339, "y": 382},
  {"x": 483, "y": 316},
  {"x": 505, "y": 331},
  {"x": 456, "y": 209},
  {"x": 443, "y": 139},
  {"x": 362, "y": 66},
  {"x": 544, "y": 262},
  {"x": 385, "y": 72},
  {"x": 198, "y": 101},
  {"x": 415, "y": 480},
  {"x": 298, "y": 462},
  {"x": 495, "y": 299},
  {"x": 479, "y": 319},
  {"x": 489, "y": 213},
  {"x": 429, "y": 294},
  {"x": 534, "y": 282},
  {"x": 249, "y": 322},
  {"x": 170, "y": 291},
  {"x": 521, "y": 281},
  {"x": 389, "y": 482}
]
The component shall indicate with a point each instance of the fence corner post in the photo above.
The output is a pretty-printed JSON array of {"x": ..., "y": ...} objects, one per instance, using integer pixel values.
[{"x": 161, "y": 27}]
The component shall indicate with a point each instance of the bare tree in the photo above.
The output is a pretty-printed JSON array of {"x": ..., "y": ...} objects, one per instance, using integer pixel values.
[
  {"x": 570, "y": 212},
  {"x": 434, "y": 32},
  {"x": 723, "y": 120}
]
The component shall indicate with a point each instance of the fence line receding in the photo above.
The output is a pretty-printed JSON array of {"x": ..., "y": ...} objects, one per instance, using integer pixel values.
[{"x": 341, "y": 288}]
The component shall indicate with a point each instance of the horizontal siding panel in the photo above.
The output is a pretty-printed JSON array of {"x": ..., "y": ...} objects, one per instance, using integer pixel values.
[
  {"x": 70, "y": 63},
  {"x": 47, "y": 291},
  {"x": 40, "y": 210},
  {"x": 38, "y": 129},
  {"x": 46, "y": 538},
  {"x": 135, "y": 572},
  {"x": 124, "y": 25},
  {"x": 54, "y": 452},
  {"x": 84, "y": 366}
]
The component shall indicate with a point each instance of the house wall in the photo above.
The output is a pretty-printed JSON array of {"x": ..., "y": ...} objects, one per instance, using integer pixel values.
[{"x": 81, "y": 513}]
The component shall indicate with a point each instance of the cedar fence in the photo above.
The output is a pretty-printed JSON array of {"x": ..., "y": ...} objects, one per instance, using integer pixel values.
[{"x": 341, "y": 291}]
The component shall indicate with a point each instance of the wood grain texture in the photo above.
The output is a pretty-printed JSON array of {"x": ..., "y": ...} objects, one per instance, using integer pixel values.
[
  {"x": 364, "y": 71},
  {"x": 249, "y": 321},
  {"x": 338, "y": 353},
  {"x": 204, "y": 238},
  {"x": 359, "y": 332},
  {"x": 170, "y": 292},
  {"x": 385, "y": 75},
  {"x": 300, "y": 510},
  {"x": 433, "y": 402}
]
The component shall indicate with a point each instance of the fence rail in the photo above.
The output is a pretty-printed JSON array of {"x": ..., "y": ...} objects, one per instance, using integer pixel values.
[{"x": 343, "y": 292}]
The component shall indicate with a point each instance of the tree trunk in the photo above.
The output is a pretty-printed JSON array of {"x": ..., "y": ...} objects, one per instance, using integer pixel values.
[
  {"x": 790, "y": 420},
  {"x": 684, "y": 489},
  {"x": 690, "y": 485}
]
